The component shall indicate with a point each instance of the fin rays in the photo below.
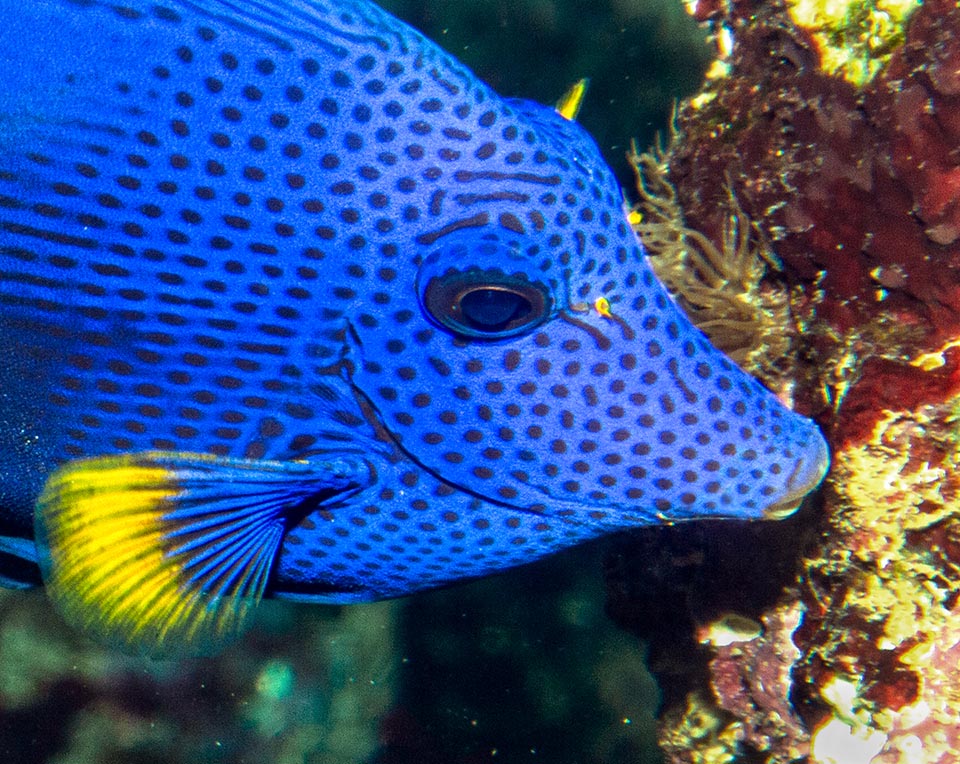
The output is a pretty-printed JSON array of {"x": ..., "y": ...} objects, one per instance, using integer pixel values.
[{"x": 169, "y": 554}]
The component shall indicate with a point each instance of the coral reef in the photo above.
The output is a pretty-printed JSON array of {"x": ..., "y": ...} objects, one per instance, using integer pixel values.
[
  {"x": 832, "y": 130},
  {"x": 748, "y": 704},
  {"x": 882, "y": 617}
]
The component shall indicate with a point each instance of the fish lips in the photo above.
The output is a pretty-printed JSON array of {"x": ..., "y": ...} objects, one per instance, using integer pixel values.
[{"x": 808, "y": 473}]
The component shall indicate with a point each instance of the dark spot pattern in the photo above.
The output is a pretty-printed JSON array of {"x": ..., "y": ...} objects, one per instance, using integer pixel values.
[{"x": 225, "y": 251}]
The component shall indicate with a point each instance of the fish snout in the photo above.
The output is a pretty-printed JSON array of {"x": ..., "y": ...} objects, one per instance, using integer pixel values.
[{"x": 809, "y": 471}]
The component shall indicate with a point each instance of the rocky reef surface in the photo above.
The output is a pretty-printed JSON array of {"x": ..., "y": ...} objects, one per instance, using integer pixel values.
[{"x": 826, "y": 142}]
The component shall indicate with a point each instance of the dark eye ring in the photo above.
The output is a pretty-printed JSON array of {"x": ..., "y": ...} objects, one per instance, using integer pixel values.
[{"x": 486, "y": 304}]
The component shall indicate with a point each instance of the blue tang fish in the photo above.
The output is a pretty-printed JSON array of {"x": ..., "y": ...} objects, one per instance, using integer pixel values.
[{"x": 291, "y": 304}]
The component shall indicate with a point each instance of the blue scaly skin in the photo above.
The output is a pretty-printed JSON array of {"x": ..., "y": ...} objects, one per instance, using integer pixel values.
[{"x": 287, "y": 284}]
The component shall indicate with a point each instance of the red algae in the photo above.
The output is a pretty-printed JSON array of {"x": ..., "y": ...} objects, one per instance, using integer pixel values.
[{"x": 846, "y": 160}]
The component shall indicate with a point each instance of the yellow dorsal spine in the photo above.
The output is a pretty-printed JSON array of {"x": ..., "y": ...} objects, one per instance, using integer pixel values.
[{"x": 570, "y": 102}]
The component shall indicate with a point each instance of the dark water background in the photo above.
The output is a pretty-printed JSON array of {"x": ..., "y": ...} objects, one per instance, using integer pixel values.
[
  {"x": 641, "y": 56},
  {"x": 523, "y": 667}
]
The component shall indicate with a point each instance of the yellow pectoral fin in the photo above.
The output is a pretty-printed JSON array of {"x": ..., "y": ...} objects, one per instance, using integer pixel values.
[{"x": 168, "y": 554}]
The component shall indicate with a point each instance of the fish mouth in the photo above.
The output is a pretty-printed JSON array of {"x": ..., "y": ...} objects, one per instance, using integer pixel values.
[{"x": 806, "y": 476}]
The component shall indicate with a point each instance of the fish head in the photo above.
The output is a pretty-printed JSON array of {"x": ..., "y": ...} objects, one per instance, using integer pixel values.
[{"x": 525, "y": 352}]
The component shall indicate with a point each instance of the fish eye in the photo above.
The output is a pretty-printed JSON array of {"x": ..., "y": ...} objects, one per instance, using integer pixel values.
[{"x": 486, "y": 303}]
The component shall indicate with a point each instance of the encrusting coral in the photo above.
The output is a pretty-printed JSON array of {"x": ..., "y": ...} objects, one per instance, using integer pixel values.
[{"x": 820, "y": 169}]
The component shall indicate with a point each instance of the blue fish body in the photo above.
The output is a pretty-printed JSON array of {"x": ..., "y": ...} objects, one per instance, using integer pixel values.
[{"x": 291, "y": 302}]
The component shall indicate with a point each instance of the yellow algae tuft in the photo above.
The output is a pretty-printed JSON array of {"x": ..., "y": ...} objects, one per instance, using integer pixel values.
[
  {"x": 935, "y": 359},
  {"x": 855, "y": 39},
  {"x": 888, "y": 494},
  {"x": 895, "y": 623},
  {"x": 703, "y": 733},
  {"x": 888, "y": 490}
]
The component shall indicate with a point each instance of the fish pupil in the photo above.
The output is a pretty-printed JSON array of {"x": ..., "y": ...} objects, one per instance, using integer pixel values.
[{"x": 491, "y": 309}]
